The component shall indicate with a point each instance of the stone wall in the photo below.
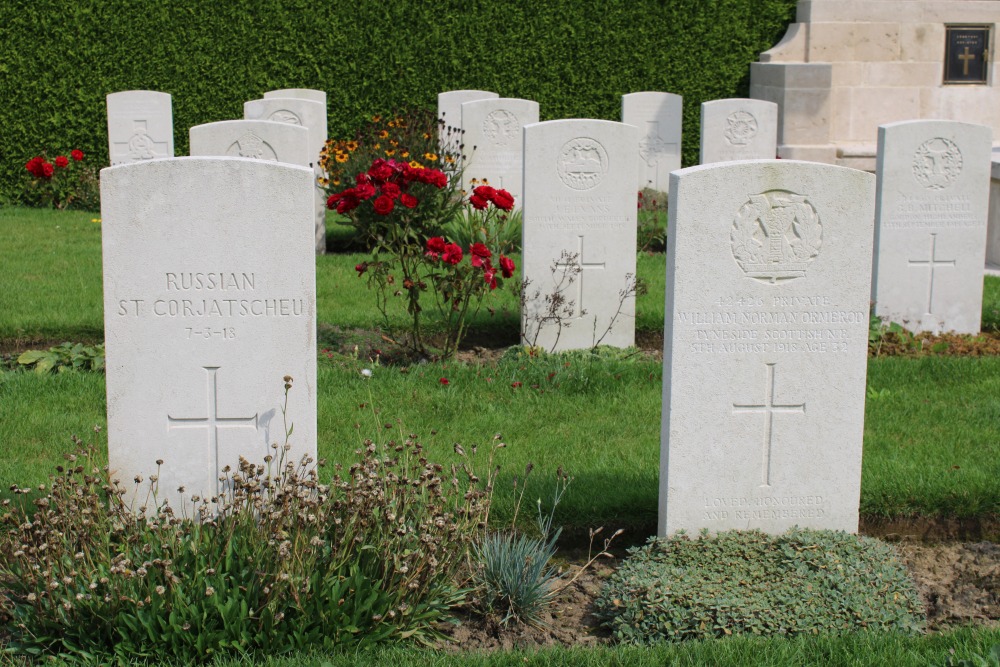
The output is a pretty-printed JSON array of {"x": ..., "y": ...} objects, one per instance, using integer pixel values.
[{"x": 847, "y": 66}]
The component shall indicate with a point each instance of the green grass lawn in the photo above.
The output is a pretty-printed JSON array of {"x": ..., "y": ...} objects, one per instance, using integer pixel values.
[{"x": 932, "y": 430}]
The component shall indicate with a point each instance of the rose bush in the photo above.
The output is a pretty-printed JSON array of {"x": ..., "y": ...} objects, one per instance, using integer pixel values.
[
  {"x": 401, "y": 204},
  {"x": 62, "y": 183}
]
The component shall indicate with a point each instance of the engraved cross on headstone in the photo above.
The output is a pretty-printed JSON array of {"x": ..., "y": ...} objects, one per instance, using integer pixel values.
[
  {"x": 213, "y": 422},
  {"x": 582, "y": 266},
  {"x": 932, "y": 263},
  {"x": 139, "y": 145},
  {"x": 769, "y": 408},
  {"x": 652, "y": 147}
]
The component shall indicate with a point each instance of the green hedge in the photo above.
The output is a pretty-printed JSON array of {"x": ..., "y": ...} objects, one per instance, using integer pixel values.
[{"x": 58, "y": 59}]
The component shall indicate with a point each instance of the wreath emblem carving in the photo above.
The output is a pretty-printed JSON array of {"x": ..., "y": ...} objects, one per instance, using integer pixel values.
[
  {"x": 776, "y": 235},
  {"x": 741, "y": 127},
  {"x": 936, "y": 163}
]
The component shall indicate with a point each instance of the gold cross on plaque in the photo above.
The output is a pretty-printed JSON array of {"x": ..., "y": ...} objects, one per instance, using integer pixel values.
[{"x": 965, "y": 58}]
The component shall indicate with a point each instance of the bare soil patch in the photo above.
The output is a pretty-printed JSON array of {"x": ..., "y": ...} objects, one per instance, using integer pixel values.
[{"x": 958, "y": 581}]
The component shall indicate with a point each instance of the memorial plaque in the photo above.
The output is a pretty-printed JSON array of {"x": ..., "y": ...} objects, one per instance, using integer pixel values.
[{"x": 966, "y": 54}]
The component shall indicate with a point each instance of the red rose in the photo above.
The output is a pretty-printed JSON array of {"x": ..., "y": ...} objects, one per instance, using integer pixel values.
[
  {"x": 365, "y": 191},
  {"x": 506, "y": 266},
  {"x": 76, "y": 154},
  {"x": 348, "y": 201},
  {"x": 34, "y": 166},
  {"x": 361, "y": 179},
  {"x": 485, "y": 191},
  {"x": 381, "y": 171},
  {"x": 478, "y": 202},
  {"x": 452, "y": 254},
  {"x": 62, "y": 161},
  {"x": 436, "y": 244},
  {"x": 391, "y": 190},
  {"x": 503, "y": 200},
  {"x": 444, "y": 381},
  {"x": 384, "y": 205},
  {"x": 479, "y": 253},
  {"x": 361, "y": 268},
  {"x": 331, "y": 201},
  {"x": 490, "y": 275},
  {"x": 47, "y": 170},
  {"x": 408, "y": 200}
]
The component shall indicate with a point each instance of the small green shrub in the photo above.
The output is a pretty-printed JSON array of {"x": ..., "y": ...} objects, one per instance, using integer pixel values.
[
  {"x": 64, "y": 358},
  {"x": 466, "y": 229},
  {"x": 279, "y": 562},
  {"x": 802, "y": 582}
]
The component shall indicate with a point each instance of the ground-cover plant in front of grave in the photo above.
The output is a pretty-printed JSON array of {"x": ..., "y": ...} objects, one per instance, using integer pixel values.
[
  {"x": 64, "y": 358},
  {"x": 64, "y": 182},
  {"x": 278, "y": 562},
  {"x": 802, "y": 582}
]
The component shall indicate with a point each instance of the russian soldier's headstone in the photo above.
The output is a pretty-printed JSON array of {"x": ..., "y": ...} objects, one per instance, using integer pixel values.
[
  {"x": 299, "y": 93},
  {"x": 579, "y": 234},
  {"x": 312, "y": 116},
  {"x": 450, "y": 111},
  {"x": 258, "y": 139},
  {"x": 765, "y": 346},
  {"x": 140, "y": 126},
  {"x": 658, "y": 117},
  {"x": 209, "y": 301},
  {"x": 930, "y": 235},
  {"x": 493, "y": 142},
  {"x": 738, "y": 129}
]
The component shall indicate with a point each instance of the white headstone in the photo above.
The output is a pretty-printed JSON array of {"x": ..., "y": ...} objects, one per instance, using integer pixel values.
[
  {"x": 312, "y": 116},
  {"x": 930, "y": 236},
  {"x": 579, "y": 233},
  {"x": 259, "y": 139},
  {"x": 993, "y": 226},
  {"x": 493, "y": 144},
  {"x": 209, "y": 301},
  {"x": 450, "y": 110},
  {"x": 738, "y": 129},
  {"x": 140, "y": 126},
  {"x": 765, "y": 346},
  {"x": 299, "y": 93},
  {"x": 658, "y": 117}
]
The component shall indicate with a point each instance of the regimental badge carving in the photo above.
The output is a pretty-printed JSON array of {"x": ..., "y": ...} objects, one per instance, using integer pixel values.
[
  {"x": 652, "y": 146},
  {"x": 936, "y": 163},
  {"x": 741, "y": 128},
  {"x": 502, "y": 128},
  {"x": 776, "y": 235},
  {"x": 285, "y": 116},
  {"x": 250, "y": 145},
  {"x": 582, "y": 163},
  {"x": 140, "y": 144}
]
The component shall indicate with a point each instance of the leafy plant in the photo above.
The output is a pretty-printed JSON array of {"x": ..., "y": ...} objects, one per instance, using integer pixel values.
[
  {"x": 65, "y": 182},
  {"x": 993, "y": 660},
  {"x": 468, "y": 228},
  {"x": 801, "y": 582},
  {"x": 279, "y": 561},
  {"x": 65, "y": 357}
]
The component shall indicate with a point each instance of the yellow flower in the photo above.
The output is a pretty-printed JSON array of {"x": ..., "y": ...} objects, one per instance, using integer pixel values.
[
  {"x": 336, "y": 181},
  {"x": 416, "y": 165},
  {"x": 342, "y": 157},
  {"x": 97, "y": 220},
  {"x": 390, "y": 153},
  {"x": 449, "y": 159},
  {"x": 431, "y": 156},
  {"x": 392, "y": 123},
  {"x": 475, "y": 181},
  {"x": 324, "y": 181},
  {"x": 352, "y": 146},
  {"x": 376, "y": 119},
  {"x": 404, "y": 154},
  {"x": 376, "y": 147},
  {"x": 393, "y": 142},
  {"x": 427, "y": 135},
  {"x": 383, "y": 134}
]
